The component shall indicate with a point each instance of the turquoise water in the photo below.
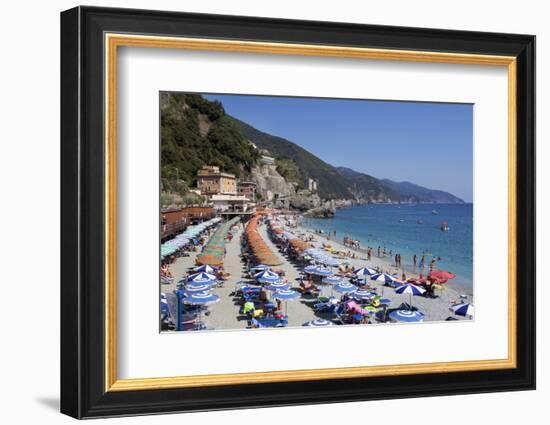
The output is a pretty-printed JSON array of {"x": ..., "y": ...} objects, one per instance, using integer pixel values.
[{"x": 396, "y": 227}]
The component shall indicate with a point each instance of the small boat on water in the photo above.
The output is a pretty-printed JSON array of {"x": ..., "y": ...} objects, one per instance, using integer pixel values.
[
  {"x": 419, "y": 222},
  {"x": 444, "y": 227},
  {"x": 401, "y": 220},
  {"x": 434, "y": 212}
]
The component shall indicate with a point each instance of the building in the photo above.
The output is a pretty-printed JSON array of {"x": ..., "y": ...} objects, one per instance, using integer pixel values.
[
  {"x": 311, "y": 185},
  {"x": 268, "y": 160},
  {"x": 212, "y": 181},
  {"x": 247, "y": 189},
  {"x": 232, "y": 204}
]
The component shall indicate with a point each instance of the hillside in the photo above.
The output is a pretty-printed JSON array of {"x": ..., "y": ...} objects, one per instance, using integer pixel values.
[
  {"x": 411, "y": 192},
  {"x": 197, "y": 132},
  {"x": 292, "y": 160},
  {"x": 365, "y": 187}
]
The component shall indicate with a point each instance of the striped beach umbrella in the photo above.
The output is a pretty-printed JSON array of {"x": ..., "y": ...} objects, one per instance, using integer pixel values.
[
  {"x": 267, "y": 276},
  {"x": 320, "y": 271},
  {"x": 364, "y": 271},
  {"x": 363, "y": 294},
  {"x": 201, "y": 278},
  {"x": 193, "y": 288},
  {"x": 406, "y": 316},
  {"x": 201, "y": 298},
  {"x": 206, "y": 268},
  {"x": 345, "y": 288},
  {"x": 319, "y": 323},
  {"x": 286, "y": 295},
  {"x": 277, "y": 286},
  {"x": 411, "y": 289},
  {"x": 332, "y": 280},
  {"x": 310, "y": 269},
  {"x": 463, "y": 309},
  {"x": 384, "y": 277},
  {"x": 163, "y": 303}
]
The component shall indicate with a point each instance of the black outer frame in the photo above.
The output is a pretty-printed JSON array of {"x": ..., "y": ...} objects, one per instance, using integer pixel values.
[{"x": 82, "y": 207}]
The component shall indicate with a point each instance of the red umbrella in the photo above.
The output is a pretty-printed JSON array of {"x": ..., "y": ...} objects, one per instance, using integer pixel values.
[{"x": 441, "y": 275}]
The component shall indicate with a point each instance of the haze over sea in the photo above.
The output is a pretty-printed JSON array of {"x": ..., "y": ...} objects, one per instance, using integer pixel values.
[{"x": 380, "y": 225}]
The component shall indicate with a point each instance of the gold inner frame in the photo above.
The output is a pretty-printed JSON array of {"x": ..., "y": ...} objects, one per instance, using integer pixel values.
[{"x": 113, "y": 41}]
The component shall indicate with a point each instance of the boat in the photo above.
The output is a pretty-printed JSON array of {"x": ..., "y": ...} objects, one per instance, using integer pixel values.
[
  {"x": 401, "y": 220},
  {"x": 434, "y": 212},
  {"x": 444, "y": 227},
  {"x": 419, "y": 222}
]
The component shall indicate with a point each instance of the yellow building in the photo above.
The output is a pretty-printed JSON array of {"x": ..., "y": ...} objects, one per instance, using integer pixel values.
[{"x": 212, "y": 181}]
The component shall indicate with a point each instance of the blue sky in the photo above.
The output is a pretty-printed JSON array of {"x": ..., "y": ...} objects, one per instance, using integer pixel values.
[{"x": 429, "y": 144}]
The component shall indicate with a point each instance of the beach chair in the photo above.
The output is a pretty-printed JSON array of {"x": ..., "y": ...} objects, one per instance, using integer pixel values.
[{"x": 341, "y": 315}]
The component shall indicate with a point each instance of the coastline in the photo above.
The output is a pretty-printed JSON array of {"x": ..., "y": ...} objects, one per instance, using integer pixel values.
[{"x": 385, "y": 263}]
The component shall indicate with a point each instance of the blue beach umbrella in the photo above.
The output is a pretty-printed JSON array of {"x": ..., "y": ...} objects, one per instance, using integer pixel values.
[
  {"x": 163, "y": 303},
  {"x": 193, "y": 288},
  {"x": 409, "y": 288},
  {"x": 310, "y": 269},
  {"x": 201, "y": 298},
  {"x": 464, "y": 309},
  {"x": 407, "y": 316},
  {"x": 286, "y": 295},
  {"x": 201, "y": 278},
  {"x": 267, "y": 276},
  {"x": 362, "y": 294},
  {"x": 345, "y": 288},
  {"x": 364, "y": 271},
  {"x": 319, "y": 271},
  {"x": 260, "y": 267},
  {"x": 319, "y": 323},
  {"x": 206, "y": 269},
  {"x": 332, "y": 280},
  {"x": 277, "y": 286},
  {"x": 384, "y": 277}
]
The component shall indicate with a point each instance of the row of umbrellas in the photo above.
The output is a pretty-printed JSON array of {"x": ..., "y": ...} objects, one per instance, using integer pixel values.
[
  {"x": 184, "y": 238},
  {"x": 261, "y": 252},
  {"x": 214, "y": 251},
  {"x": 322, "y": 257}
]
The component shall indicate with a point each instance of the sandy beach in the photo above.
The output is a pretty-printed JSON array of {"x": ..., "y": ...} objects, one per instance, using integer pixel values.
[{"x": 224, "y": 315}]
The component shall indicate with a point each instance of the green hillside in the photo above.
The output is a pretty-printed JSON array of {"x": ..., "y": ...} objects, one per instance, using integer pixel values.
[
  {"x": 331, "y": 185},
  {"x": 197, "y": 132}
]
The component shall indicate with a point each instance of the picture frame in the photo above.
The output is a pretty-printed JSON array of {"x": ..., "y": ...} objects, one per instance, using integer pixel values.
[{"x": 90, "y": 39}]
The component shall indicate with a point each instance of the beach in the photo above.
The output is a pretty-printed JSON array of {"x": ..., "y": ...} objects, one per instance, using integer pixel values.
[{"x": 225, "y": 314}]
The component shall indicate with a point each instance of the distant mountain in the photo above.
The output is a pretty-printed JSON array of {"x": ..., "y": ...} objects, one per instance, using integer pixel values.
[
  {"x": 410, "y": 192},
  {"x": 365, "y": 187},
  {"x": 331, "y": 185}
]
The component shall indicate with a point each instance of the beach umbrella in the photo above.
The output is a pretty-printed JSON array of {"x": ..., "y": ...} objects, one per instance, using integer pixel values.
[
  {"x": 267, "y": 277},
  {"x": 201, "y": 278},
  {"x": 411, "y": 289},
  {"x": 286, "y": 295},
  {"x": 364, "y": 271},
  {"x": 318, "y": 323},
  {"x": 329, "y": 261},
  {"x": 407, "y": 316},
  {"x": 206, "y": 268},
  {"x": 441, "y": 275},
  {"x": 310, "y": 269},
  {"x": 332, "y": 280},
  {"x": 345, "y": 288},
  {"x": 163, "y": 303},
  {"x": 193, "y": 288},
  {"x": 384, "y": 277},
  {"x": 363, "y": 294},
  {"x": 321, "y": 272},
  {"x": 277, "y": 286},
  {"x": 200, "y": 299},
  {"x": 463, "y": 309}
]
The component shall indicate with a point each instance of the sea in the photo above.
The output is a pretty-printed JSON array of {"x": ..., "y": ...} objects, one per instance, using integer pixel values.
[{"x": 410, "y": 229}]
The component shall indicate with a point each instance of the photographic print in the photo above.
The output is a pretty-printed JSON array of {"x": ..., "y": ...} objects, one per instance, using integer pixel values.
[{"x": 280, "y": 212}]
